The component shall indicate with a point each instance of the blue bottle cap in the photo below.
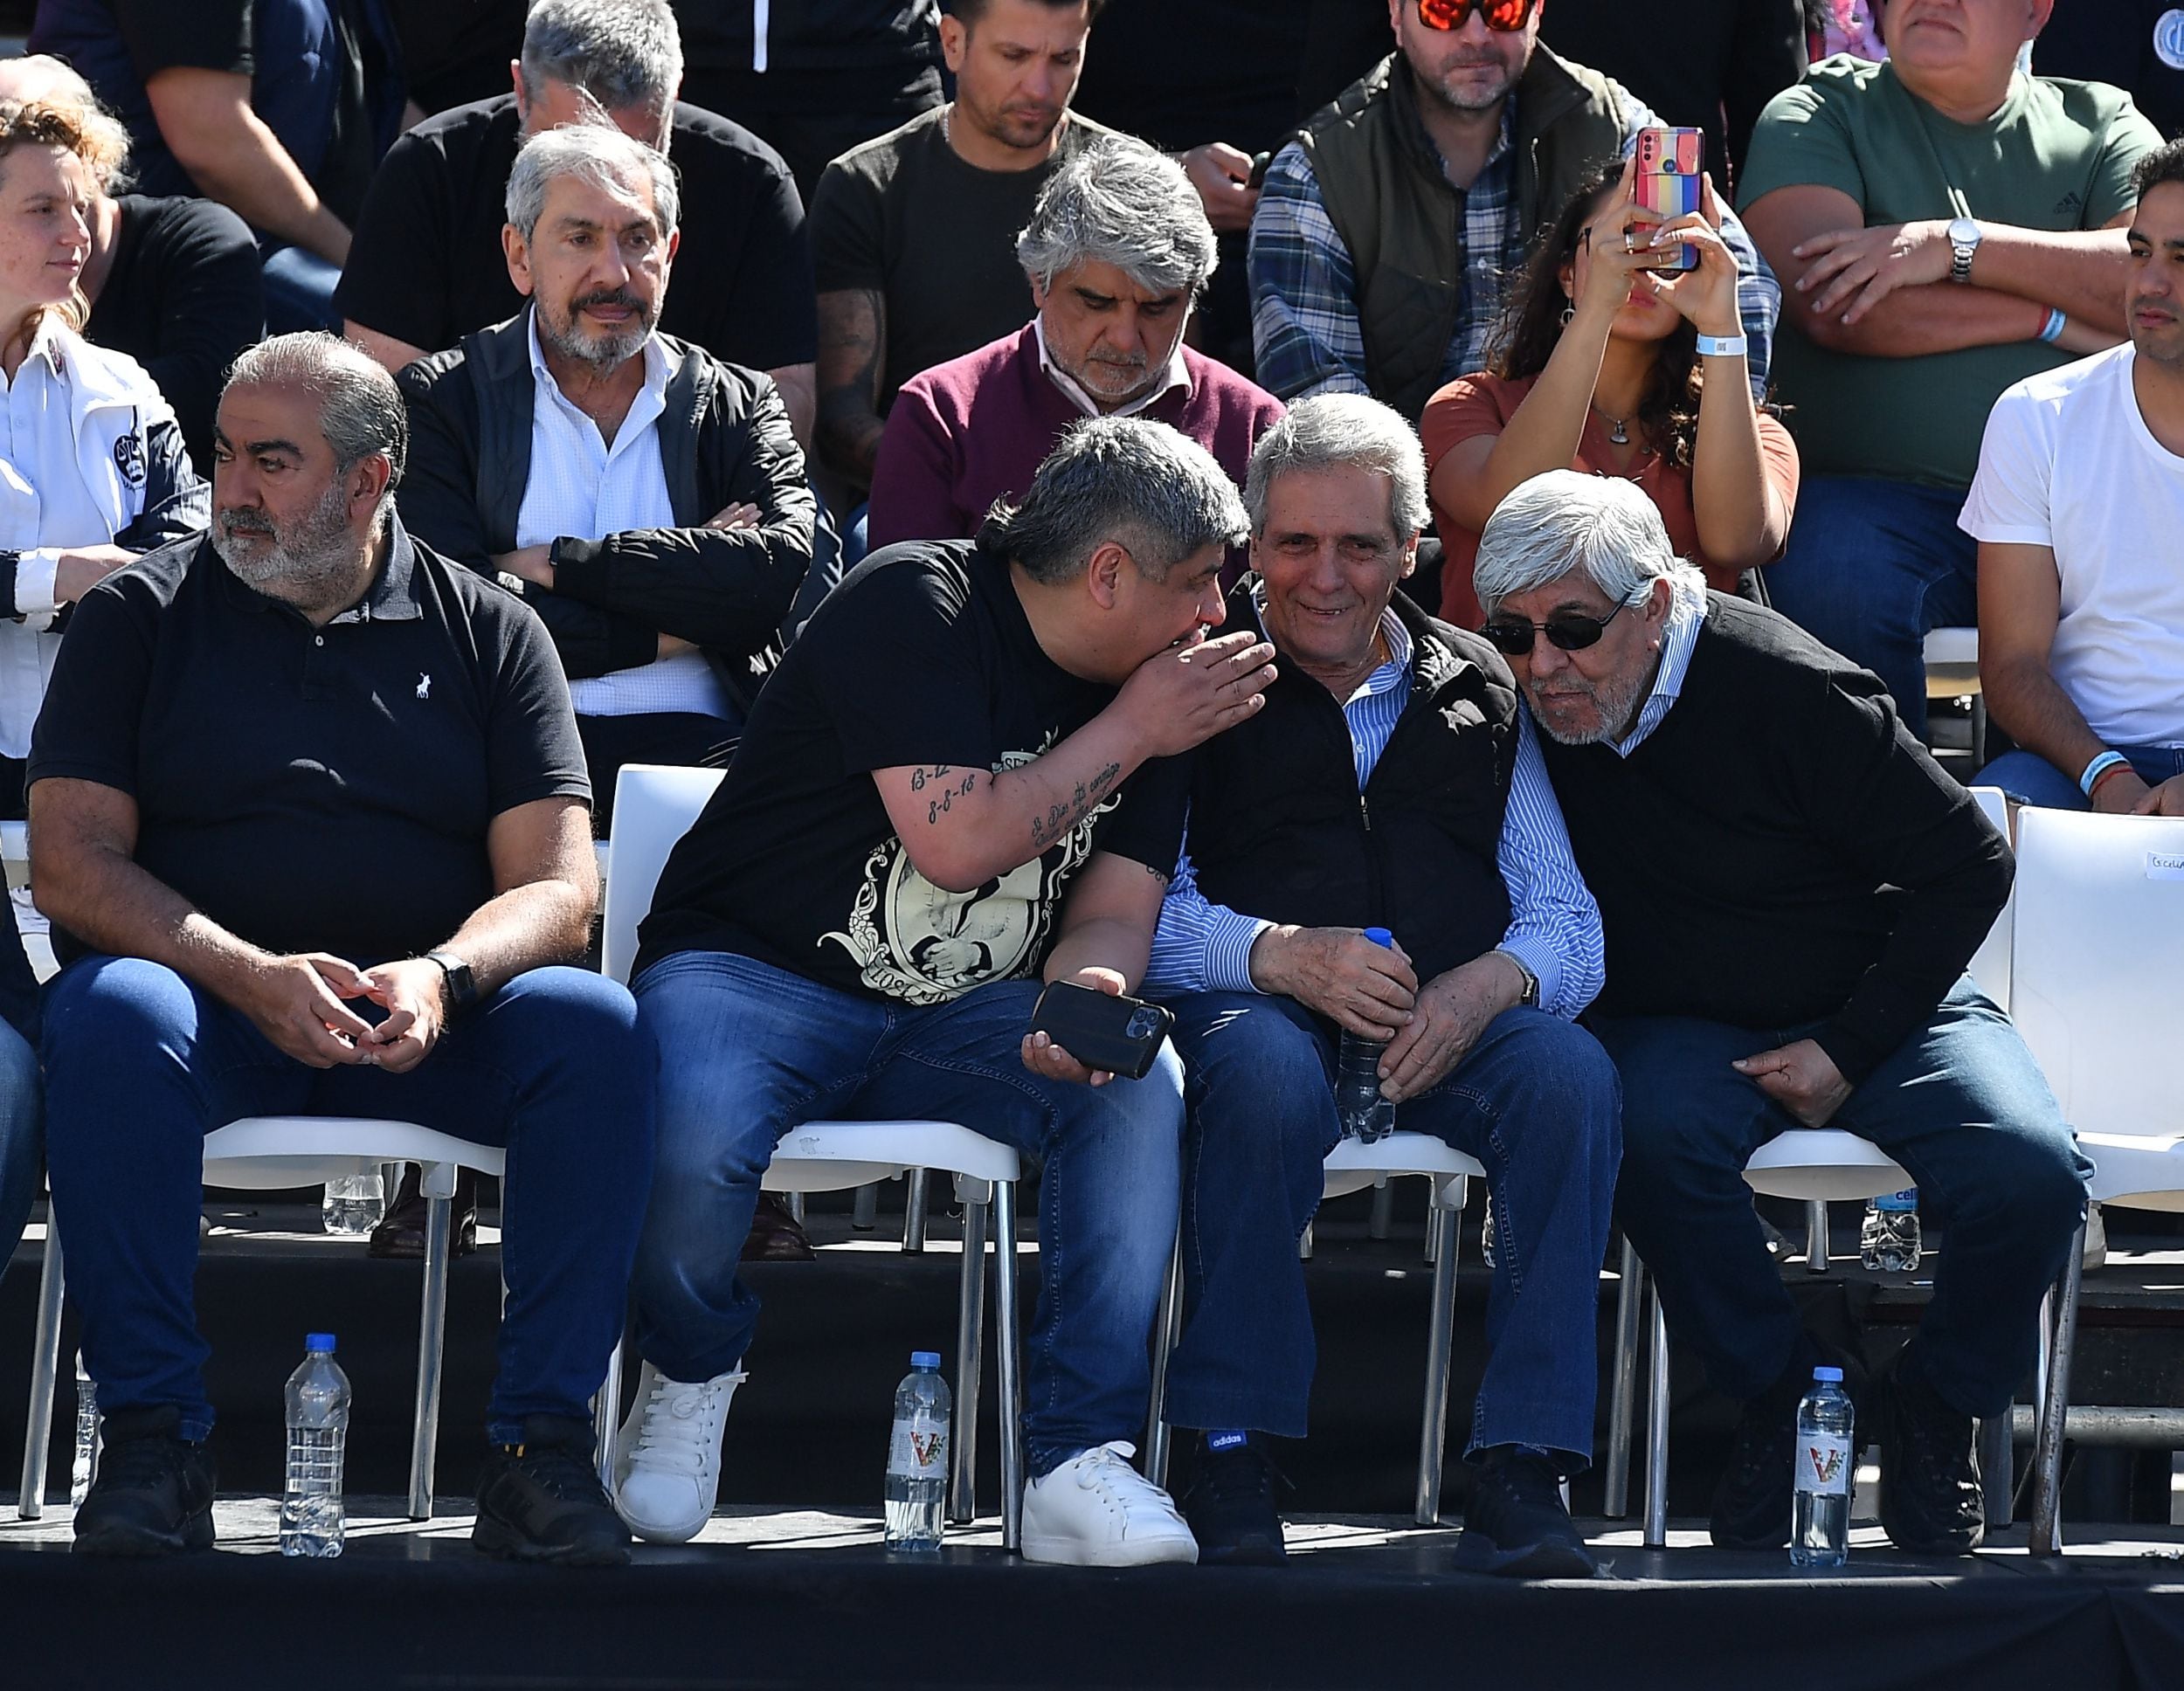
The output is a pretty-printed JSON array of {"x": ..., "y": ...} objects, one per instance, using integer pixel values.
[
  {"x": 1381, "y": 937},
  {"x": 925, "y": 1359},
  {"x": 318, "y": 1342},
  {"x": 1832, "y": 1375}
]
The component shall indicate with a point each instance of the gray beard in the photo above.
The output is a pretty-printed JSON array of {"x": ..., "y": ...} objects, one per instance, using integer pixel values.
[
  {"x": 317, "y": 556},
  {"x": 1616, "y": 705},
  {"x": 603, "y": 353}
]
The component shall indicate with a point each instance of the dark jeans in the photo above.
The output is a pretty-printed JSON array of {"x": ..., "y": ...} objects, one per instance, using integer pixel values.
[
  {"x": 2027, "y": 775},
  {"x": 750, "y": 1050},
  {"x": 1534, "y": 1101},
  {"x": 1960, "y": 1104},
  {"x": 1872, "y": 567},
  {"x": 141, "y": 1065}
]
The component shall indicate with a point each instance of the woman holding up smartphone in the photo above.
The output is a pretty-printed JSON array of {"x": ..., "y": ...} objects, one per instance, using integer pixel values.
[{"x": 1607, "y": 363}]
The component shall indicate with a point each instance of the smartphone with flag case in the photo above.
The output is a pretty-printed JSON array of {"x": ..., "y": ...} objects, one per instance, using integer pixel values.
[{"x": 1670, "y": 166}]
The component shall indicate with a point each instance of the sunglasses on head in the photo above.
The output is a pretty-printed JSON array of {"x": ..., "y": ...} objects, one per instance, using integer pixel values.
[
  {"x": 1566, "y": 632},
  {"x": 1504, "y": 15}
]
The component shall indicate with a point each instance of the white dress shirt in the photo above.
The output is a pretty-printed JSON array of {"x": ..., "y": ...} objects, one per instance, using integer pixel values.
[
  {"x": 583, "y": 488},
  {"x": 1177, "y": 375}
]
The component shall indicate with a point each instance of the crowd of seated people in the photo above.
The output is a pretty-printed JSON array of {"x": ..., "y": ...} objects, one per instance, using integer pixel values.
[{"x": 1139, "y": 688}]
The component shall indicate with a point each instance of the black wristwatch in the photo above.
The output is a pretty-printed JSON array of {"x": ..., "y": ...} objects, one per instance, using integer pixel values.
[{"x": 462, "y": 985}]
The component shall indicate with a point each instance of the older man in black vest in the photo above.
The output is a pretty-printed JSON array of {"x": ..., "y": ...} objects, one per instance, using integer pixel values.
[{"x": 1389, "y": 780}]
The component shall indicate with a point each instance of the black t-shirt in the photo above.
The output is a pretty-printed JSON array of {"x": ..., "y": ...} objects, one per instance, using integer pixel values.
[
  {"x": 1213, "y": 70},
  {"x": 427, "y": 265},
  {"x": 905, "y": 217},
  {"x": 312, "y": 788},
  {"x": 184, "y": 298},
  {"x": 922, "y": 657}
]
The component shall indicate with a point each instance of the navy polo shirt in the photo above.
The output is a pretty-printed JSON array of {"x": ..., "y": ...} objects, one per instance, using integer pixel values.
[{"x": 312, "y": 788}]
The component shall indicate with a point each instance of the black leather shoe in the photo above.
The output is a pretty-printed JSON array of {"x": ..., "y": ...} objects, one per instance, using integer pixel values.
[
  {"x": 1756, "y": 1495},
  {"x": 541, "y": 1501},
  {"x": 1931, "y": 1501},
  {"x": 400, "y": 1234},
  {"x": 1517, "y": 1525},
  {"x": 154, "y": 1493},
  {"x": 1230, "y": 1510},
  {"x": 776, "y": 1236}
]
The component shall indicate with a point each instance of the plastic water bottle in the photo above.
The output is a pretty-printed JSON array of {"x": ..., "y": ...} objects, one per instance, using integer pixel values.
[
  {"x": 354, "y": 1204},
  {"x": 1888, "y": 1239},
  {"x": 1820, "y": 1528},
  {"x": 311, "y": 1522},
  {"x": 917, "y": 1457},
  {"x": 1364, "y": 1112},
  {"x": 84, "y": 1467}
]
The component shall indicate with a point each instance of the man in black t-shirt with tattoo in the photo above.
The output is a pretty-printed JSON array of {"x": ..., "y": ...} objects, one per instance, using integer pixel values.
[{"x": 958, "y": 782}]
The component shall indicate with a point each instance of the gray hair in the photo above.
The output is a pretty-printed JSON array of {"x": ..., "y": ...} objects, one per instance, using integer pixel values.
[
  {"x": 599, "y": 154},
  {"x": 1562, "y": 520},
  {"x": 1156, "y": 493},
  {"x": 361, "y": 411},
  {"x": 1121, "y": 203},
  {"x": 621, "y": 52},
  {"x": 1336, "y": 431}
]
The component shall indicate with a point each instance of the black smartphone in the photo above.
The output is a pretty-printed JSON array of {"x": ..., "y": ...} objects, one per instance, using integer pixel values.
[
  {"x": 1100, "y": 1029},
  {"x": 1258, "y": 177}
]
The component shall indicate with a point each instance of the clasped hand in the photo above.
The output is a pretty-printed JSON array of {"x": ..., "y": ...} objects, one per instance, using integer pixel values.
[{"x": 298, "y": 1003}]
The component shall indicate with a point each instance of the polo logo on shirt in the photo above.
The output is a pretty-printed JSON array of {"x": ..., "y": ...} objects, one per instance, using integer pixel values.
[
  {"x": 128, "y": 457},
  {"x": 423, "y": 687}
]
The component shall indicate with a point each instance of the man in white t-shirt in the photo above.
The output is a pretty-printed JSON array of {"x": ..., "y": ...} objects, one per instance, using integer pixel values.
[{"x": 2078, "y": 507}]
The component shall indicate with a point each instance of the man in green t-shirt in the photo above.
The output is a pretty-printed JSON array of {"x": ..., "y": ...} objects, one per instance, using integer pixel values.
[{"x": 1944, "y": 226}]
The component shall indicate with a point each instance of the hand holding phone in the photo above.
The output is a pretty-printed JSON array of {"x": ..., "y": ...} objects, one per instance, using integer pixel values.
[
  {"x": 1669, "y": 166},
  {"x": 1105, "y": 1032}
]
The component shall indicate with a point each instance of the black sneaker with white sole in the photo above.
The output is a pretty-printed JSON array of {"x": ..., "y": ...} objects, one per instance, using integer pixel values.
[
  {"x": 1517, "y": 1524},
  {"x": 1931, "y": 1500},
  {"x": 542, "y": 1501},
  {"x": 154, "y": 1493}
]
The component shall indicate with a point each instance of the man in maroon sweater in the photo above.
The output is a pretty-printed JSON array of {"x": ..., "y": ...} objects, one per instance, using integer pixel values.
[{"x": 1116, "y": 250}]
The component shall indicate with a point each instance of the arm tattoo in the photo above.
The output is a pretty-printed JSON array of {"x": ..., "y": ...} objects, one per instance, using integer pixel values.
[
  {"x": 1063, "y": 815},
  {"x": 851, "y": 343},
  {"x": 948, "y": 788}
]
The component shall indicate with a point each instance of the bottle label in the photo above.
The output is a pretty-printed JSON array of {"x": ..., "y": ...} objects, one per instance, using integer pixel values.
[
  {"x": 918, "y": 1450},
  {"x": 1823, "y": 1464}
]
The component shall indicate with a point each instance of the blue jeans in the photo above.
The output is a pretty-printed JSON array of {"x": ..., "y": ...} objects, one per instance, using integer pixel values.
[
  {"x": 1960, "y": 1105},
  {"x": 21, "y": 1108},
  {"x": 1534, "y": 1101},
  {"x": 141, "y": 1065},
  {"x": 2027, "y": 775},
  {"x": 299, "y": 290},
  {"x": 1872, "y": 566},
  {"x": 749, "y": 1052}
]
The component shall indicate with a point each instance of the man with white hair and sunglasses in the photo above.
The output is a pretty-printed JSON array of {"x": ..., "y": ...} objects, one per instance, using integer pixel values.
[{"x": 1790, "y": 891}]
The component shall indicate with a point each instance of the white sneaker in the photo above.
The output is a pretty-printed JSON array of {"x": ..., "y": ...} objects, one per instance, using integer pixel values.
[
  {"x": 1097, "y": 1511},
  {"x": 667, "y": 1456}
]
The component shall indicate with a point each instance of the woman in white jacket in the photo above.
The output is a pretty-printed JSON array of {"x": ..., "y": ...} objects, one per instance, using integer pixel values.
[{"x": 92, "y": 474}]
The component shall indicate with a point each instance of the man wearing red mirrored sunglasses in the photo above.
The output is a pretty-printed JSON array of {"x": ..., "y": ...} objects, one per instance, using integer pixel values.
[{"x": 1386, "y": 229}]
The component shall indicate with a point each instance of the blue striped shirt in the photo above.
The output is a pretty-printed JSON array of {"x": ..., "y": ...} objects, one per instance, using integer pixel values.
[{"x": 1554, "y": 927}]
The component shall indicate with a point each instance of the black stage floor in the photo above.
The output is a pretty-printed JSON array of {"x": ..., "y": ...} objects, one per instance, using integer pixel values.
[{"x": 808, "y": 1599}]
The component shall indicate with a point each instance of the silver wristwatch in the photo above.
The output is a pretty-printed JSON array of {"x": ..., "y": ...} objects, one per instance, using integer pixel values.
[{"x": 1964, "y": 241}]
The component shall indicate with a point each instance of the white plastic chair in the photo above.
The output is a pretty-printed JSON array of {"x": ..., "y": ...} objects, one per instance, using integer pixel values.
[
  {"x": 1816, "y": 1165},
  {"x": 1352, "y": 1166},
  {"x": 654, "y": 805},
  {"x": 268, "y": 1153},
  {"x": 2099, "y": 995}
]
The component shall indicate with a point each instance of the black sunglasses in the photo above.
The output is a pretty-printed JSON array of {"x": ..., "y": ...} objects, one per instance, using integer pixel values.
[{"x": 1564, "y": 633}]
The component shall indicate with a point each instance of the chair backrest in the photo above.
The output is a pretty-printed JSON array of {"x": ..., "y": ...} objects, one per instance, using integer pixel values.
[
  {"x": 654, "y": 805},
  {"x": 1991, "y": 962},
  {"x": 2098, "y": 990}
]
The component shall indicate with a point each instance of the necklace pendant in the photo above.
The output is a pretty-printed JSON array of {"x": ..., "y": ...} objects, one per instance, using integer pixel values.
[{"x": 1618, "y": 433}]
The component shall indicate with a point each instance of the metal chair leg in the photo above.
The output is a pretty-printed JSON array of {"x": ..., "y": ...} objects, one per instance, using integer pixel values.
[
  {"x": 1623, "y": 1386},
  {"x": 1167, "y": 1329},
  {"x": 1440, "y": 1338},
  {"x": 2046, "y": 1535},
  {"x": 1656, "y": 1533},
  {"x": 606, "y": 1410},
  {"x": 793, "y": 1202},
  {"x": 914, "y": 1213},
  {"x": 1383, "y": 1210},
  {"x": 1304, "y": 1244},
  {"x": 865, "y": 1214},
  {"x": 45, "y": 1378},
  {"x": 439, "y": 1187},
  {"x": 1008, "y": 1346},
  {"x": 962, "y": 1480},
  {"x": 1995, "y": 1469},
  {"x": 1816, "y": 1236}
]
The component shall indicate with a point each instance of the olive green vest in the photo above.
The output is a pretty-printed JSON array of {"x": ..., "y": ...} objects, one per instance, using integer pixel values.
[{"x": 1382, "y": 185}]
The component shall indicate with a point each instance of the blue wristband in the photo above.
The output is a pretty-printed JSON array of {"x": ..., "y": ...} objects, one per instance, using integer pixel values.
[
  {"x": 2052, "y": 330},
  {"x": 2098, "y": 767},
  {"x": 1724, "y": 346}
]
